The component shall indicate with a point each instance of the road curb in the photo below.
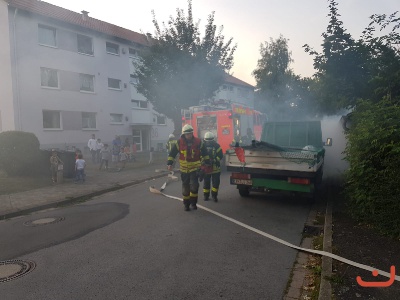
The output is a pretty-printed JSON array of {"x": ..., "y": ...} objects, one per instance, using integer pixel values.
[
  {"x": 325, "y": 290},
  {"x": 299, "y": 270},
  {"x": 78, "y": 198}
]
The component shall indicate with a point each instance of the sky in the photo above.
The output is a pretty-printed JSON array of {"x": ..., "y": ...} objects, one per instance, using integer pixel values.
[{"x": 250, "y": 23}]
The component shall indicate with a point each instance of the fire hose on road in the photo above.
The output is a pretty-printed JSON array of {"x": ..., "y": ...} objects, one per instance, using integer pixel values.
[{"x": 322, "y": 253}]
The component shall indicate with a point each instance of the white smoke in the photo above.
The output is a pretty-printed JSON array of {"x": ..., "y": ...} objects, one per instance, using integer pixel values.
[{"x": 335, "y": 165}]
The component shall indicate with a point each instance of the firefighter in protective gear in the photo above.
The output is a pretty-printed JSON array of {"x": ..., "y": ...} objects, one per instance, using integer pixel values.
[
  {"x": 171, "y": 141},
  {"x": 213, "y": 173},
  {"x": 191, "y": 152}
]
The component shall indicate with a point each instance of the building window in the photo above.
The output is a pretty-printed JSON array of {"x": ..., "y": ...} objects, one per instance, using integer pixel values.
[
  {"x": 88, "y": 120},
  {"x": 116, "y": 118},
  {"x": 114, "y": 84},
  {"x": 85, "y": 44},
  {"x": 134, "y": 79},
  {"x": 51, "y": 119},
  {"x": 134, "y": 53},
  {"x": 87, "y": 83},
  {"x": 47, "y": 36},
  {"x": 139, "y": 103},
  {"x": 112, "y": 48},
  {"x": 49, "y": 78},
  {"x": 161, "y": 120}
]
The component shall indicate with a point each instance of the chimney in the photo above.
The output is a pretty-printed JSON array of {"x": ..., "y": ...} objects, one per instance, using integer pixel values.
[{"x": 85, "y": 15}]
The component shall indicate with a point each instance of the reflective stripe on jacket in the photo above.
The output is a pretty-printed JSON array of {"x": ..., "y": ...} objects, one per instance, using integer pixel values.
[
  {"x": 170, "y": 144},
  {"x": 215, "y": 155},
  {"x": 190, "y": 154}
]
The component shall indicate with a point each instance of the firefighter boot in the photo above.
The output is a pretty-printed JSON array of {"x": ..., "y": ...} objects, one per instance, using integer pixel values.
[
  {"x": 186, "y": 203},
  {"x": 193, "y": 202},
  {"x": 214, "y": 196},
  {"x": 206, "y": 196}
]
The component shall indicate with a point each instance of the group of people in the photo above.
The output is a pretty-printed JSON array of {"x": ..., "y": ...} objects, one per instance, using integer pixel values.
[
  {"x": 56, "y": 162},
  {"x": 120, "y": 153},
  {"x": 199, "y": 160}
]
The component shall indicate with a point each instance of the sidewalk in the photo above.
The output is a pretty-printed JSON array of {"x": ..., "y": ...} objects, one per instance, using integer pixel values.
[{"x": 97, "y": 182}]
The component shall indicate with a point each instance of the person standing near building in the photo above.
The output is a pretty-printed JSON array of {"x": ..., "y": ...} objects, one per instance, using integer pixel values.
[
  {"x": 214, "y": 174},
  {"x": 54, "y": 162},
  {"x": 92, "y": 144},
  {"x": 116, "y": 148},
  {"x": 190, "y": 149},
  {"x": 99, "y": 146},
  {"x": 80, "y": 165},
  {"x": 105, "y": 156},
  {"x": 123, "y": 157}
]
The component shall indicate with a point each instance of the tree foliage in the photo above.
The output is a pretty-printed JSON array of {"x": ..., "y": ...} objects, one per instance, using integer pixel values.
[
  {"x": 364, "y": 75},
  {"x": 273, "y": 73},
  {"x": 19, "y": 152},
  {"x": 373, "y": 151},
  {"x": 348, "y": 69},
  {"x": 181, "y": 68},
  {"x": 280, "y": 93}
]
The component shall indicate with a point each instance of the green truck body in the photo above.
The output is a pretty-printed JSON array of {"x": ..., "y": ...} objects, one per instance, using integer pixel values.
[{"x": 289, "y": 157}]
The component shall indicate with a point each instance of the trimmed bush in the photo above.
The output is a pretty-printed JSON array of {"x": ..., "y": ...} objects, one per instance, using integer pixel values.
[
  {"x": 19, "y": 153},
  {"x": 373, "y": 151}
]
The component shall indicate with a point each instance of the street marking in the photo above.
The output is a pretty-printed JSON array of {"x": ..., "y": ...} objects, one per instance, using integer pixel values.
[{"x": 334, "y": 256}]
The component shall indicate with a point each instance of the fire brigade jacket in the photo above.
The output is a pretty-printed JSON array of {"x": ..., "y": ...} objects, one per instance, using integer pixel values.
[
  {"x": 191, "y": 154},
  {"x": 215, "y": 155},
  {"x": 170, "y": 143}
]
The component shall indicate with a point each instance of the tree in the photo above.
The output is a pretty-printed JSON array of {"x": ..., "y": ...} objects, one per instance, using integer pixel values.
[
  {"x": 384, "y": 63},
  {"x": 280, "y": 92},
  {"x": 181, "y": 68}
]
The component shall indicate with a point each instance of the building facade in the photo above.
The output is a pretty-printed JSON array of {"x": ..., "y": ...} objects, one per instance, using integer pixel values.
[
  {"x": 235, "y": 91},
  {"x": 66, "y": 76}
]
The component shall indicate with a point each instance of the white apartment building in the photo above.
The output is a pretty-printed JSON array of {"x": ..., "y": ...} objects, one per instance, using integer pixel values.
[
  {"x": 65, "y": 76},
  {"x": 235, "y": 91}
]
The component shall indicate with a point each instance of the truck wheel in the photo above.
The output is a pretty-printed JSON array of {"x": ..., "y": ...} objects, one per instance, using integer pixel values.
[{"x": 244, "y": 192}]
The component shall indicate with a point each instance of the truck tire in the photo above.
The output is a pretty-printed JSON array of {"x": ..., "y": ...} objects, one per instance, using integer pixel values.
[{"x": 244, "y": 191}]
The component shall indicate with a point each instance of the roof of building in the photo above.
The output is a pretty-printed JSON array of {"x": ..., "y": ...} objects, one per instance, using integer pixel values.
[
  {"x": 233, "y": 80},
  {"x": 58, "y": 13},
  {"x": 61, "y": 14}
]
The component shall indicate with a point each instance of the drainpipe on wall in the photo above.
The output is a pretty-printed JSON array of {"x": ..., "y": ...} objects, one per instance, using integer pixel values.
[{"x": 16, "y": 71}]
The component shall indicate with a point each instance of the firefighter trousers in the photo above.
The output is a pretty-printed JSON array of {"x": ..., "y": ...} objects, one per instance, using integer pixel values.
[
  {"x": 190, "y": 188},
  {"x": 213, "y": 178}
]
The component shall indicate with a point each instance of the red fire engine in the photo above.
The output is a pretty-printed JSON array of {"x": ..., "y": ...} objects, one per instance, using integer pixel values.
[{"x": 229, "y": 122}]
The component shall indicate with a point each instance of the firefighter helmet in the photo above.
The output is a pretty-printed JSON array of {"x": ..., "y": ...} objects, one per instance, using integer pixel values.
[
  {"x": 209, "y": 136},
  {"x": 187, "y": 129},
  {"x": 171, "y": 136}
]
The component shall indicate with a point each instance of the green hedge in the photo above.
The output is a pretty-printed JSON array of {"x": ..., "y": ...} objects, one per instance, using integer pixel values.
[
  {"x": 373, "y": 151},
  {"x": 19, "y": 153}
]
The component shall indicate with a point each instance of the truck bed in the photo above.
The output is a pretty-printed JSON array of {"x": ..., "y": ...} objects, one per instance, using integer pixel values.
[{"x": 271, "y": 160}]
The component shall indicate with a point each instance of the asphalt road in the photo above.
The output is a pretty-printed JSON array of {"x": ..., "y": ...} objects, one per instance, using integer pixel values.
[{"x": 132, "y": 244}]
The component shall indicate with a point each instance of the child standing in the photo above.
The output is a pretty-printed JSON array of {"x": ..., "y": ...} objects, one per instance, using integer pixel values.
[
  {"x": 105, "y": 156},
  {"x": 80, "y": 165},
  {"x": 122, "y": 158},
  {"x": 54, "y": 162}
]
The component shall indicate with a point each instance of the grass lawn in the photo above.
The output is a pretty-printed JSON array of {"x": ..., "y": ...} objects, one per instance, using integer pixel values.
[{"x": 10, "y": 185}]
